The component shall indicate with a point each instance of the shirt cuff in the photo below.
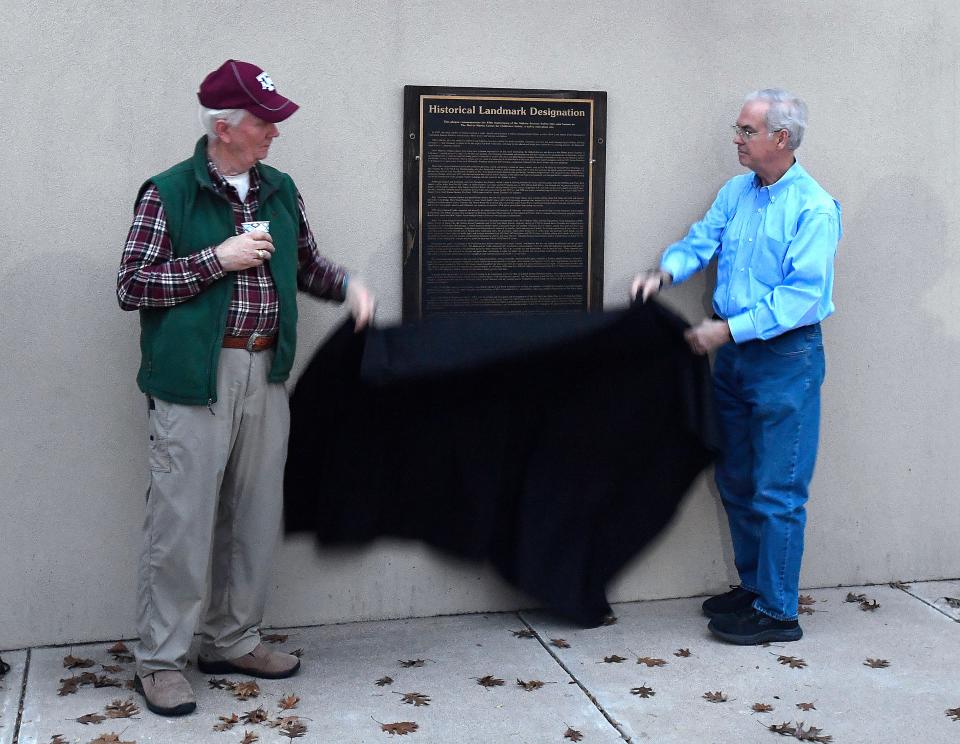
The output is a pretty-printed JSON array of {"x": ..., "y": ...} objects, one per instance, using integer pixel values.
[
  {"x": 673, "y": 268},
  {"x": 741, "y": 328},
  {"x": 208, "y": 266}
]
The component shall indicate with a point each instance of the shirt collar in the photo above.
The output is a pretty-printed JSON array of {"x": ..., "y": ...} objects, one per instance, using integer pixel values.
[
  {"x": 221, "y": 184},
  {"x": 794, "y": 172}
]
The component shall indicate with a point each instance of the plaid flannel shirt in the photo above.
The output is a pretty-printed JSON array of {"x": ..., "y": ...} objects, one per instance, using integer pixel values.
[{"x": 150, "y": 275}]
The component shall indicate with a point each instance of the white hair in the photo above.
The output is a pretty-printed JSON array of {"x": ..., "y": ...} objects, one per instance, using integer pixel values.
[
  {"x": 209, "y": 118},
  {"x": 787, "y": 113}
]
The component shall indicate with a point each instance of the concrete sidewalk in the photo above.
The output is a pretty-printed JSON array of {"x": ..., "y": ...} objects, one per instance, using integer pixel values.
[{"x": 914, "y": 630}]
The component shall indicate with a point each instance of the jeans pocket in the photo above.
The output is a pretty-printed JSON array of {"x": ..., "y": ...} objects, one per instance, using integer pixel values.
[{"x": 790, "y": 344}]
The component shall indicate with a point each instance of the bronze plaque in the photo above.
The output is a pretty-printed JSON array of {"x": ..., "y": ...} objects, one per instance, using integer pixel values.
[{"x": 503, "y": 201}]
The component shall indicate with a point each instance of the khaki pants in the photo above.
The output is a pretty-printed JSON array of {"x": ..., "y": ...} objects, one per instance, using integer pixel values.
[{"x": 216, "y": 490}]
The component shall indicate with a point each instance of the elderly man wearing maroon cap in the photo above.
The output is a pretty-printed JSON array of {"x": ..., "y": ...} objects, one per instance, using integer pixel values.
[{"x": 218, "y": 314}]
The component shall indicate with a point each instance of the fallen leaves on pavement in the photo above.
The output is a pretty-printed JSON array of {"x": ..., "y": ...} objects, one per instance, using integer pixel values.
[
  {"x": 415, "y": 699},
  {"x": 876, "y": 663},
  {"x": 761, "y": 708},
  {"x": 644, "y": 691},
  {"x": 715, "y": 697},
  {"x": 533, "y": 684},
  {"x": 793, "y": 662},
  {"x": 489, "y": 681}
]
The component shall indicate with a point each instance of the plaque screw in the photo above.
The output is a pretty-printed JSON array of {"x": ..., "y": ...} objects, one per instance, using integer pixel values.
[
  {"x": 413, "y": 135},
  {"x": 599, "y": 140}
]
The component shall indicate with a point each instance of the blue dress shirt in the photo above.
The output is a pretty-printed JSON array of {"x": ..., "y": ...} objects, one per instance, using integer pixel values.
[{"x": 776, "y": 246}]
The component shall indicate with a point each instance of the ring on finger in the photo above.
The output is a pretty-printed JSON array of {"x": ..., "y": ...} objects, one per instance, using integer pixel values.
[{"x": 260, "y": 253}]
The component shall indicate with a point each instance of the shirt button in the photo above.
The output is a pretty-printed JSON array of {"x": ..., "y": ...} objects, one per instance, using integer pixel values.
[{"x": 759, "y": 209}]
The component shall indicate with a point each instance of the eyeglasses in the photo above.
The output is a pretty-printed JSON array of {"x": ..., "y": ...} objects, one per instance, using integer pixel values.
[{"x": 747, "y": 134}]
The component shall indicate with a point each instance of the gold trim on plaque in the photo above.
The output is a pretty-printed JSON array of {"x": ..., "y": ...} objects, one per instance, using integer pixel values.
[{"x": 436, "y": 97}]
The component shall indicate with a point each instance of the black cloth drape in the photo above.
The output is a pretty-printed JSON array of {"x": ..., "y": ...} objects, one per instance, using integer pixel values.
[{"x": 553, "y": 447}]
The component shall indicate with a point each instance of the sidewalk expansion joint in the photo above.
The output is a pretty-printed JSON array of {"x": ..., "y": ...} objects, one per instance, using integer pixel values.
[
  {"x": 590, "y": 696},
  {"x": 928, "y": 603},
  {"x": 23, "y": 697}
]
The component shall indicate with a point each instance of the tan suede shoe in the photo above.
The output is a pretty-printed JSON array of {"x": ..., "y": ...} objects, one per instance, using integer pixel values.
[
  {"x": 166, "y": 693},
  {"x": 261, "y": 662}
]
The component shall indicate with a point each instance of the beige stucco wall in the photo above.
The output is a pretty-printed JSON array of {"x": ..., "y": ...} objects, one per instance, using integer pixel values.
[{"x": 97, "y": 96}]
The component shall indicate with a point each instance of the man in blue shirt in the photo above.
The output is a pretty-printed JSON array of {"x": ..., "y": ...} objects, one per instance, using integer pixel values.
[{"x": 774, "y": 232}]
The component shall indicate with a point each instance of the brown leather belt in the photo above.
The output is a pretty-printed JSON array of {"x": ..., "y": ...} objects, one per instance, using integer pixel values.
[{"x": 253, "y": 342}]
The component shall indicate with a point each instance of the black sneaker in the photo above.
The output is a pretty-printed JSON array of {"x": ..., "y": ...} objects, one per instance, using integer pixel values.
[
  {"x": 735, "y": 600},
  {"x": 750, "y": 627}
]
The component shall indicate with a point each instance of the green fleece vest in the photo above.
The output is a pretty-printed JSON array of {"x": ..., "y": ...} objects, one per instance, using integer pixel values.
[{"x": 180, "y": 345}]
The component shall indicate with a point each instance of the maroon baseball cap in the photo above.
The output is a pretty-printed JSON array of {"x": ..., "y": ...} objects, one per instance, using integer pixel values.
[{"x": 241, "y": 85}]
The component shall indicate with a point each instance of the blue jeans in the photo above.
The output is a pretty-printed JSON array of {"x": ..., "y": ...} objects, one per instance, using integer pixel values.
[{"x": 767, "y": 396}]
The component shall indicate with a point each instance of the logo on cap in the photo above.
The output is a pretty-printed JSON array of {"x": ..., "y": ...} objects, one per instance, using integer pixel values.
[{"x": 265, "y": 82}]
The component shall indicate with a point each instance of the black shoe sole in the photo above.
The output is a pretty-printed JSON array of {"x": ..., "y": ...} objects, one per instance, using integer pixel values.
[
  {"x": 226, "y": 667},
  {"x": 177, "y": 710},
  {"x": 773, "y": 635}
]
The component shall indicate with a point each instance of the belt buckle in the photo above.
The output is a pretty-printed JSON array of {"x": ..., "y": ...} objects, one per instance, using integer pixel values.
[{"x": 252, "y": 341}]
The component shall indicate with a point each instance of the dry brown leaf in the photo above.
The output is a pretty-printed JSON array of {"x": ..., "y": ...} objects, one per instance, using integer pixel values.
[
  {"x": 289, "y": 702},
  {"x": 412, "y": 663},
  {"x": 104, "y": 681},
  {"x": 118, "y": 648},
  {"x": 73, "y": 662},
  {"x": 130, "y": 684},
  {"x": 869, "y": 606},
  {"x": 805, "y": 610},
  {"x": 876, "y": 663},
  {"x": 246, "y": 690},
  {"x": 87, "y": 678},
  {"x": 274, "y": 637},
  {"x": 524, "y": 633},
  {"x": 806, "y": 706},
  {"x": 249, "y": 738},
  {"x": 221, "y": 683},
  {"x": 298, "y": 652},
  {"x": 281, "y": 721},
  {"x": 644, "y": 692},
  {"x": 899, "y": 585},
  {"x": 415, "y": 699},
  {"x": 715, "y": 697},
  {"x": 122, "y": 709},
  {"x": 559, "y": 643},
  {"x": 613, "y": 659},
  {"x": 90, "y": 718},
  {"x": 784, "y": 729},
  {"x": 489, "y": 681},
  {"x": 533, "y": 684},
  {"x": 58, "y": 739},
  {"x": 258, "y": 715},
  {"x": 111, "y": 668},
  {"x": 110, "y": 738},
  {"x": 227, "y": 723},
  {"x": 811, "y": 734},
  {"x": 682, "y": 652},
  {"x": 123, "y": 658},
  {"x": 69, "y": 686},
  {"x": 806, "y": 599},
  {"x": 851, "y": 597},
  {"x": 572, "y": 734},
  {"x": 294, "y": 729},
  {"x": 384, "y": 681},
  {"x": 761, "y": 708},
  {"x": 400, "y": 728},
  {"x": 953, "y": 713},
  {"x": 792, "y": 661},
  {"x": 651, "y": 662}
]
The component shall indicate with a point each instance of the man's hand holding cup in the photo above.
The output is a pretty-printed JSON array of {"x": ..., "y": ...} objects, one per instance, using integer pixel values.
[{"x": 248, "y": 250}]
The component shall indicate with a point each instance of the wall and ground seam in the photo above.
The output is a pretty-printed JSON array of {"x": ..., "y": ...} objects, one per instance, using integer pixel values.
[{"x": 97, "y": 96}]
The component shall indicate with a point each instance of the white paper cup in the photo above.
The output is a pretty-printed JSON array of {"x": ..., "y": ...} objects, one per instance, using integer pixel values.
[{"x": 252, "y": 226}]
